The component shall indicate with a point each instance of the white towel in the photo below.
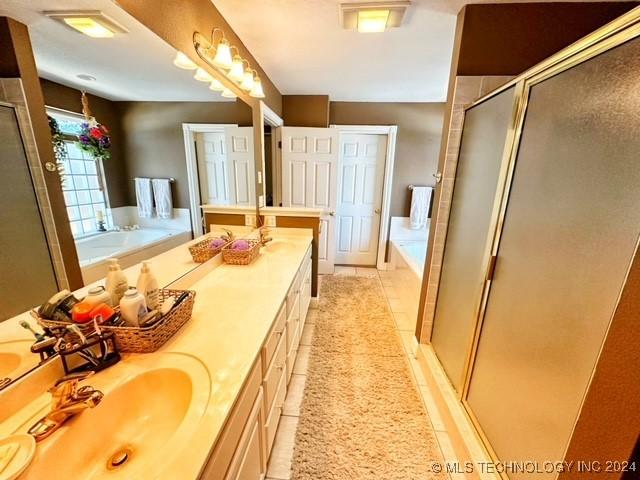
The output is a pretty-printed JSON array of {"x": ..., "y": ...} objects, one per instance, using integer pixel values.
[
  {"x": 162, "y": 196},
  {"x": 420, "y": 201},
  {"x": 144, "y": 197}
]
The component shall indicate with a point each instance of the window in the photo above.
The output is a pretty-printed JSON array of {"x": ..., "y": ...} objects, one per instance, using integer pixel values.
[{"x": 83, "y": 185}]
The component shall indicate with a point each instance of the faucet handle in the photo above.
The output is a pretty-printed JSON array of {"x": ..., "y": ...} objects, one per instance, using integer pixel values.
[
  {"x": 66, "y": 388},
  {"x": 74, "y": 378}
]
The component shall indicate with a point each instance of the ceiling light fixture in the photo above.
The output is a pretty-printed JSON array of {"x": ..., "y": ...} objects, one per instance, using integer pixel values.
[
  {"x": 184, "y": 62},
  {"x": 86, "y": 77},
  {"x": 202, "y": 75},
  {"x": 370, "y": 17},
  {"x": 92, "y": 23}
]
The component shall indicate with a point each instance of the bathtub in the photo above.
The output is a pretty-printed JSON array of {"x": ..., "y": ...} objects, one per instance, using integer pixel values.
[
  {"x": 130, "y": 247},
  {"x": 405, "y": 268}
]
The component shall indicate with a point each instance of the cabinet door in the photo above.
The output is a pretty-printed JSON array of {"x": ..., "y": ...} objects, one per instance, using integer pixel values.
[{"x": 249, "y": 462}]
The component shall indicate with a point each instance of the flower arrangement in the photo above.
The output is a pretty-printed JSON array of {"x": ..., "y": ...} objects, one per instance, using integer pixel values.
[
  {"x": 94, "y": 139},
  {"x": 59, "y": 149}
]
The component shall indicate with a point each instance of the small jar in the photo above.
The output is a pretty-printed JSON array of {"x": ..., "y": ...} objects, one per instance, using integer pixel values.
[{"x": 97, "y": 295}]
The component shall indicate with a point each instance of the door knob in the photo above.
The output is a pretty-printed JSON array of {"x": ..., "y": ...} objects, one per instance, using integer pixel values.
[
  {"x": 377, "y": 210},
  {"x": 333, "y": 214}
]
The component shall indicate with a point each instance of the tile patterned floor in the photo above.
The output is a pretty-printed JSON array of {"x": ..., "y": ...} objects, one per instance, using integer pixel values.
[{"x": 282, "y": 453}]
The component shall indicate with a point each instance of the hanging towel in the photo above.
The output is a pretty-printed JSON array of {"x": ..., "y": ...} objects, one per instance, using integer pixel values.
[
  {"x": 144, "y": 197},
  {"x": 162, "y": 196},
  {"x": 420, "y": 201}
]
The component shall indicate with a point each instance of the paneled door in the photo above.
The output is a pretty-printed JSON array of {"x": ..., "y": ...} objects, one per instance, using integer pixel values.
[
  {"x": 309, "y": 179},
  {"x": 242, "y": 168},
  {"x": 213, "y": 169},
  {"x": 360, "y": 180}
]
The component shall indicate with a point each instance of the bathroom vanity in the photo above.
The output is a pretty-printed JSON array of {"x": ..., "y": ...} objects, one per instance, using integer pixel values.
[{"x": 205, "y": 405}]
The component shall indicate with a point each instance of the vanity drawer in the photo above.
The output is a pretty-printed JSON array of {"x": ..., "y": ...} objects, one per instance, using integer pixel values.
[
  {"x": 273, "y": 339},
  {"x": 292, "y": 353},
  {"x": 305, "y": 297},
  {"x": 273, "y": 419},
  {"x": 272, "y": 378},
  {"x": 249, "y": 461},
  {"x": 227, "y": 444},
  {"x": 294, "y": 291},
  {"x": 292, "y": 321}
]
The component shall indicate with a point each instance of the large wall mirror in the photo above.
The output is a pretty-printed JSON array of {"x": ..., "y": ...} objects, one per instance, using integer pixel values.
[{"x": 133, "y": 189}]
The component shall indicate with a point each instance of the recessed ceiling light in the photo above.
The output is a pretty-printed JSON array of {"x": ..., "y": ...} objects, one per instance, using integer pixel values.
[
  {"x": 372, "y": 17},
  {"x": 93, "y": 23},
  {"x": 86, "y": 78}
]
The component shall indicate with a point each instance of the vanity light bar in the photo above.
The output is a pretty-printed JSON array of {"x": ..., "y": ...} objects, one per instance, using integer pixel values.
[{"x": 219, "y": 56}]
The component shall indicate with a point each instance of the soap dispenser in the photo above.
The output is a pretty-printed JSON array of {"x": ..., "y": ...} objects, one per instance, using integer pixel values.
[
  {"x": 116, "y": 282},
  {"x": 148, "y": 286}
]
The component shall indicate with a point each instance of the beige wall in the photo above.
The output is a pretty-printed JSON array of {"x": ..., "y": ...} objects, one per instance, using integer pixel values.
[
  {"x": 154, "y": 142},
  {"x": 417, "y": 145},
  {"x": 305, "y": 110}
]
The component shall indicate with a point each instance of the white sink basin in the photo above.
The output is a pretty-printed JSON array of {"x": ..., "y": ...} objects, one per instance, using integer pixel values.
[{"x": 148, "y": 414}]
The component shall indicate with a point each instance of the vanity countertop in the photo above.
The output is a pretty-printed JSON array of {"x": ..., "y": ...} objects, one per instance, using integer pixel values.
[{"x": 234, "y": 310}]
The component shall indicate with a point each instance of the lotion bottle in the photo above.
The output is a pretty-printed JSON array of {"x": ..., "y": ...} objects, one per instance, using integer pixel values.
[
  {"x": 116, "y": 282},
  {"x": 147, "y": 286}
]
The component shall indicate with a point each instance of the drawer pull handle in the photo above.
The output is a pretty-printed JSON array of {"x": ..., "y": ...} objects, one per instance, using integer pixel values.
[
  {"x": 280, "y": 332},
  {"x": 280, "y": 367}
]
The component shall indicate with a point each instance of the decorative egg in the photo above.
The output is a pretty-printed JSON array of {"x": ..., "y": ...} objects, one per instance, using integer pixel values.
[{"x": 240, "y": 245}]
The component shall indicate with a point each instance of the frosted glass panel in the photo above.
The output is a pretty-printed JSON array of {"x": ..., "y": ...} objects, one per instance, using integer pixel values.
[
  {"x": 27, "y": 272},
  {"x": 571, "y": 228},
  {"x": 463, "y": 267}
]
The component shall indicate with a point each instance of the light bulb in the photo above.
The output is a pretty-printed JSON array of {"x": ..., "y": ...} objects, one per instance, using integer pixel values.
[
  {"x": 182, "y": 61},
  {"x": 226, "y": 93},
  {"x": 257, "y": 91},
  {"x": 223, "y": 55},
  {"x": 202, "y": 75},
  {"x": 247, "y": 81},
  {"x": 237, "y": 69},
  {"x": 216, "y": 85}
]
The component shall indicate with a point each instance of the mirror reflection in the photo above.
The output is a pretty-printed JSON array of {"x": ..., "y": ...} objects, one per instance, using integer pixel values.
[{"x": 138, "y": 151}]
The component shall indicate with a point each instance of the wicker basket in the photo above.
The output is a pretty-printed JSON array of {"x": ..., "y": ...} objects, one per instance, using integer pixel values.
[
  {"x": 200, "y": 252},
  {"x": 241, "y": 257},
  {"x": 144, "y": 339}
]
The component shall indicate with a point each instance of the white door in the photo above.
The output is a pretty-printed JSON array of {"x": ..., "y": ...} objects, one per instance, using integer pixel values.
[
  {"x": 360, "y": 180},
  {"x": 241, "y": 165},
  {"x": 309, "y": 179},
  {"x": 212, "y": 168}
]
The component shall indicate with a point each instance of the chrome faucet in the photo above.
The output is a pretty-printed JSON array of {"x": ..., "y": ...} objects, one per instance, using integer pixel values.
[{"x": 67, "y": 400}]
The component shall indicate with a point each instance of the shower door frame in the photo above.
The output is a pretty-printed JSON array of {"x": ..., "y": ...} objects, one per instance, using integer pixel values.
[{"x": 613, "y": 34}]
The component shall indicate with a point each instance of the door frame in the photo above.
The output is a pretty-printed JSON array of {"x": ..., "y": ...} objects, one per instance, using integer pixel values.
[
  {"x": 271, "y": 118},
  {"x": 391, "y": 131},
  {"x": 189, "y": 131}
]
